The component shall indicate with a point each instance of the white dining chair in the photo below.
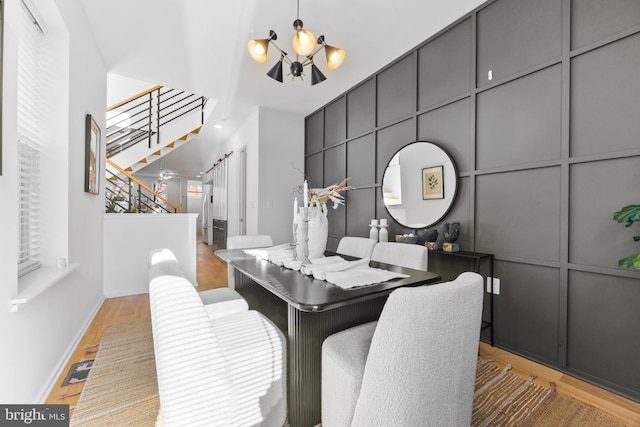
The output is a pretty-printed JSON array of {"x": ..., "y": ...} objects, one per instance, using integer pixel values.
[
  {"x": 218, "y": 302},
  {"x": 360, "y": 247},
  {"x": 416, "y": 366},
  {"x": 403, "y": 254},
  {"x": 245, "y": 242}
]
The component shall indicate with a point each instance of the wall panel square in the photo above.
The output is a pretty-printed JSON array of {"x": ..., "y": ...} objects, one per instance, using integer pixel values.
[
  {"x": 335, "y": 122},
  {"x": 593, "y": 20},
  {"x": 518, "y": 214},
  {"x": 335, "y": 165},
  {"x": 361, "y": 109},
  {"x": 450, "y": 128},
  {"x": 396, "y": 92},
  {"x": 391, "y": 139},
  {"x": 598, "y": 189},
  {"x": 526, "y": 311},
  {"x": 598, "y": 306},
  {"x": 360, "y": 211},
  {"x": 516, "y": 35},
  {"x": 444, "y": 66},
  {"x": 520, "y": 122},
  {"x": 313, "y": 169},
  {"x": 361, "y": 160},
  {"x": 313, "y": 131},
  {"x": 605, "y": 98}
]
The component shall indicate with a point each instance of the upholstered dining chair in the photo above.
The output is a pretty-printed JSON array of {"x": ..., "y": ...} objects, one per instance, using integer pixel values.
[
  {"x": 218, "y": 302},
  {"x": 229, "y": 371},
  {"x": 360, "y": 247},
  {"x": 404, "y": 254},
  {"x": 415, "y": 366}
]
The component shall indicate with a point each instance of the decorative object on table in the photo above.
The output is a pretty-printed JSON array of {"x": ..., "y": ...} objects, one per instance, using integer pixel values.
[
  {"x": 383, "y": 234},
  {"x": 450, "y": 234},
  {"x": 373, "y": 233},
  {"x": 431, "y": 238},
  {"x": 433, "y": 183},
  {"x": 92, "y": 159},
  {"x": 312, "y": 225},
  {"x": 304, "y": 45},
  {"x": 294, "y": 225},
  {"x": 406, "y": 238},
  {"x": 628, "y": 215}
]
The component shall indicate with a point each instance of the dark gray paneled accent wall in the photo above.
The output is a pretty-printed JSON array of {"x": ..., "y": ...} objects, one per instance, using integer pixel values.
[{"x": 537, "y": 103}]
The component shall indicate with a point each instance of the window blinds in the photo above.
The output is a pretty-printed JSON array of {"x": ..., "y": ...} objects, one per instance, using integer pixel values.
[{"x": 29, "y": 131}]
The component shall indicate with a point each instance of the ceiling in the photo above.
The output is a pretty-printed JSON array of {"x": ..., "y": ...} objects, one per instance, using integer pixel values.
[{"x": 200, "y": 46}]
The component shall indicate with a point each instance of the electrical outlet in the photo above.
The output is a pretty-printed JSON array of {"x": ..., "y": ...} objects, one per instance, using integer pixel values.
[{"x": 496, "y": 285}]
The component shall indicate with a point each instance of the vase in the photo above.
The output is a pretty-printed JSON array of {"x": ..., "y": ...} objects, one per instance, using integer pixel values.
[{"x": 312, "y": 232}]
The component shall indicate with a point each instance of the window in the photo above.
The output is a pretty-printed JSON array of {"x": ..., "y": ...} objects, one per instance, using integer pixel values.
[
  {"x": 194, "y": 189},
  {"x": 30, "y": 40},
  {"x": 41, "y": 80}
]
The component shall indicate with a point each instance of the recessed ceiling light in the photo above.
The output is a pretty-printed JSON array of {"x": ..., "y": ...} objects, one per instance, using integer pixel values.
[{"x": 217, "y": 126}]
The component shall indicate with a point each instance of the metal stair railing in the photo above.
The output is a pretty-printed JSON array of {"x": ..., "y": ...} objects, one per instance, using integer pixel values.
[
  {"x": 127, "y": 194},
  {"x": 141, "y": 117}
]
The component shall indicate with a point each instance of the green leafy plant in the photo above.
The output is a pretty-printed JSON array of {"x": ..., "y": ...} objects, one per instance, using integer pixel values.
[{"x": 628, "y": 215}]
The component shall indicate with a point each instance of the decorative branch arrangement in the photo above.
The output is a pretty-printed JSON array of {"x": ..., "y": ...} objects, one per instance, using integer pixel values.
[
  {"x": 320, "y": 197},
  {"x": 628, "y": 215}
]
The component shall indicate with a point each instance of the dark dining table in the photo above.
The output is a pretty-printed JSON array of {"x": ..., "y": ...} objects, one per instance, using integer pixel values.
[{"x": 308, "y": 310}]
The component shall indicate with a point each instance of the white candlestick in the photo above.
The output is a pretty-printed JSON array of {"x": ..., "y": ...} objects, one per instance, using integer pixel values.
[
  {"x": 295, "y": 210},
  {"x": 306, "y": 194}
]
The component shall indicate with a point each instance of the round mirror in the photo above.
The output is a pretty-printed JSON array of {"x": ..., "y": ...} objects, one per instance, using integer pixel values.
[{"x": 419, "y": 185}]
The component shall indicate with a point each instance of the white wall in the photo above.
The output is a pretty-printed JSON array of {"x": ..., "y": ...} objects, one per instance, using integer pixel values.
[
  {"x": 121, "y": 88},
  {"x": 38, "y": 339},
  {"x": 281, "y": 158},
  {"x": 128, "y": 238},
  {"x": 275, "y": 148}
]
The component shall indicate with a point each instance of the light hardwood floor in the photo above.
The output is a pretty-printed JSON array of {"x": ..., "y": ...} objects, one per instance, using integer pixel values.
[{"x": 211, "y": 273}]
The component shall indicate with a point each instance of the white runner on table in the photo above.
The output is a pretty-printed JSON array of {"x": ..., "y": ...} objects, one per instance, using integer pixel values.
[
  {"x": 361, "y": 276},
  {"x": 275, "y": 254},
  {"x": 294, "y": 264},
  {"x": 318, "y": 271}
]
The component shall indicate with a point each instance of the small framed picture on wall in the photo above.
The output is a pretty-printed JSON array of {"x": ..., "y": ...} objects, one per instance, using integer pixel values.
[
  {"x": 432, "y": 183},
  {"x": 92, "y": 157}
]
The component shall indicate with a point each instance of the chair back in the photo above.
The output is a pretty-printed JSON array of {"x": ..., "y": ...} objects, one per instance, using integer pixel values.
[
  {"x": 183, "y": 338},
  {"x": 249, "y": 241},
  {"x": 421, "y": 366},
  {"x": 404, "y": 254},
  {"x": 360, "y": 247}
]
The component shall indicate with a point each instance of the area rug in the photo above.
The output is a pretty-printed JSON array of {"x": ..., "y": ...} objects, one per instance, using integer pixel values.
[
  {"x": 505, "y": 399},
  {"x": 121, "y": 390}
]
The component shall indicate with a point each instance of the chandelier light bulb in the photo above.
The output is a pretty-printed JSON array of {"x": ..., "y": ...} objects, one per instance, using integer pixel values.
[
  {"x": 304, "y": 41},
  {"x": 258, "y": 49}
]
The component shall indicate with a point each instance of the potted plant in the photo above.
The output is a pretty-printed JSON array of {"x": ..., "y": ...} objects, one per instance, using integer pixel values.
[{"x": 628, "y": 215}]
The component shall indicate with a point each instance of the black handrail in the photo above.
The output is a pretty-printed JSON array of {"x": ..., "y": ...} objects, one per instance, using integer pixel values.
[
  {"x": 144, "y": 116},
  {"x": 125, "y": 196}
]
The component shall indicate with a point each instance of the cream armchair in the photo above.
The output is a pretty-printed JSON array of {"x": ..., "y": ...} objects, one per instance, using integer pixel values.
[
  {"x": 415, "y": 367},
  {"x": 228, "y": 371}
]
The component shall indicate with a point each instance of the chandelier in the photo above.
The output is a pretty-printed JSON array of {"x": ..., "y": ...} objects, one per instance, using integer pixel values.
[{"x": 305, "y": 47}]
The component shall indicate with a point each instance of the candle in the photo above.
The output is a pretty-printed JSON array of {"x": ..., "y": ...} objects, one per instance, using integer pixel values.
[
  {"x": 374, "y": 222},
  {"x": 295, "y": 210},
  {"x": 383, "y": 221},
  {"x": 306, "y": 194}
]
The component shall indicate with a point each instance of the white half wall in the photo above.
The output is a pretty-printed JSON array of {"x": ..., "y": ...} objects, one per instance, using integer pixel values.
[{"x": 128, "y": 238}]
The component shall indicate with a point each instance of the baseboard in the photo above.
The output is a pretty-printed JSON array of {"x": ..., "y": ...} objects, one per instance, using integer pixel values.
[
  {"x": 124, "y": 294},
  {"x": 62, "y": 363}
]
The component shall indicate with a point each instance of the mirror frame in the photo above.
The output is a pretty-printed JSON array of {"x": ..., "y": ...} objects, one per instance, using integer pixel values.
[{"x": 455, "y": 191}]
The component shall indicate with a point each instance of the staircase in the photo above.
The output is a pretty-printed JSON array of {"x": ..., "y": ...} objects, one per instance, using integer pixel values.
[{"x": 141, "y": 130}]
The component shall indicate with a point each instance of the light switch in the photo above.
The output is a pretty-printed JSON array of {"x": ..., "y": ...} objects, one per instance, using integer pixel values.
[{"x": 490, "y": 75}]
